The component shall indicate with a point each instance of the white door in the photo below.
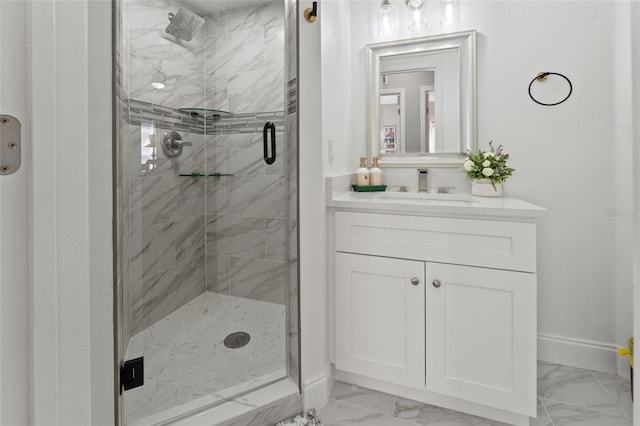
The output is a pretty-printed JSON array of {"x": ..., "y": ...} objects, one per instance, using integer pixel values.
[
  {"x": 481, "y": 336},
  {"x": 14, "y": 309},
  {"x": 380, "y": 318}
]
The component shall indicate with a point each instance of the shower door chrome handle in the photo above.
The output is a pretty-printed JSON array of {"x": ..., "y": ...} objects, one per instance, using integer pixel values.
[{"x": 269, "y": 159}]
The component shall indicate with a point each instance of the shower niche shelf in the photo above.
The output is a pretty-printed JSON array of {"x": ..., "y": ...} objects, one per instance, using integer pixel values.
[{"x": 205, "y": 174}]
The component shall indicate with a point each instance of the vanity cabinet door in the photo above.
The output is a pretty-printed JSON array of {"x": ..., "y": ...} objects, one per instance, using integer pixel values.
[
  {"x": 481, "y": 336},
  {"x": 380, "y": 326}
]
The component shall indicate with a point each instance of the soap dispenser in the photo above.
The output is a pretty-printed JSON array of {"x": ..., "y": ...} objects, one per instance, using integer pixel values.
[
  {"x": 375, "y": 174},
  {"x": 362, "y": 174}
]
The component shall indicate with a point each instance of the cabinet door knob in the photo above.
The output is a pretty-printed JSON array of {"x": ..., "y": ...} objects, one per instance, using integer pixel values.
[
  {"x": 415, "y": 281},
  {"x": 436, "y": 283}
]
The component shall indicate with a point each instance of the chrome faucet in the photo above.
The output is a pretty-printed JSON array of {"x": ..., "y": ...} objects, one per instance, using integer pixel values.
[{"x": 423, "y": 180}]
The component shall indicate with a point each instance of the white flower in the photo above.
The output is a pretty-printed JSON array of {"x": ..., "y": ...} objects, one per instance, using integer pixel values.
[
  {"x": 486, "y": 163},
  {"x": 487, "y": 171},
  {"x": 488, "y": 154},
  {"x": 468, "y": 165}
]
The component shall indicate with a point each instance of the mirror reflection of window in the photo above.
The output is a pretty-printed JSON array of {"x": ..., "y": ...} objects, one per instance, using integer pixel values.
[{"x": 149, "y": 144}]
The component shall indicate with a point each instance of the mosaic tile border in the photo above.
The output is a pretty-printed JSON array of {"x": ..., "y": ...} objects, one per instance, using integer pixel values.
[
  {"x": 138, "y": 112},
  {"x": 292, "y": 96}
]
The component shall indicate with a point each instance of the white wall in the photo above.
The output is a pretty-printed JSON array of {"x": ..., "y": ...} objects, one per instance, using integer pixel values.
[
  {"x": 634, "y": 17},
  {"x": 14, "y": 291},
  {"x": 336, "y": 89},
  {"x": 312, "y": 216},
  {"x": 573, "y": 159},
  {"x": 71, "y": 287}
]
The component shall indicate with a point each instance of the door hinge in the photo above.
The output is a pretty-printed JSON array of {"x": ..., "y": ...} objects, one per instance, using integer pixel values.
[
  {"x": 131, "y": 374},
  {"x": 10, "y": 144}
]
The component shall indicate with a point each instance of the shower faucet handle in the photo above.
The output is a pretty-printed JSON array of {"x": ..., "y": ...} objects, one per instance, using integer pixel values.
[{"x": 172, "y": 144}]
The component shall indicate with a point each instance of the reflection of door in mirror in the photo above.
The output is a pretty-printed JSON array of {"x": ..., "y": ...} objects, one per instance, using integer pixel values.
[
  {"x": 392, "y": 107},
  {"x": 427, "y": 119},
  {"x": 411, "y": 125},
  {"x": 427, "y": 78}
]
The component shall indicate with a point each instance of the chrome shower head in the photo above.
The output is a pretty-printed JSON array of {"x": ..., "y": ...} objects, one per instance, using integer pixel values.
[{"x": 184, "y": 24}]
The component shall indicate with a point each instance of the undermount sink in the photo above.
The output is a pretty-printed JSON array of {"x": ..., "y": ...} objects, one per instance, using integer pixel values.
[{"x": 464, "y": 199}]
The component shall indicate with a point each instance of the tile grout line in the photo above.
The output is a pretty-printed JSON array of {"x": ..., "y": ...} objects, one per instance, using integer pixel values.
[
  {"x": 610, "y": 396},
  {"x": 585, "y": 408},
  {"x": 376, "y": 412},
  {"x": 546, "y": 412}
]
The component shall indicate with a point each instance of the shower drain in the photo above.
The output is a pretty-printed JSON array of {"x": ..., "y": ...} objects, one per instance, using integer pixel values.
[{"x": 237, "y": 340}]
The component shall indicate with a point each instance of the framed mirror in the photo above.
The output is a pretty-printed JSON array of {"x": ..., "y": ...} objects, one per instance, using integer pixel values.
[{"x": 421, "y": 100}]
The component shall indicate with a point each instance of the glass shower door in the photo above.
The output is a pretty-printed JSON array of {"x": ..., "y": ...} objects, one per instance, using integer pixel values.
[{"x": 204, "y": 222}]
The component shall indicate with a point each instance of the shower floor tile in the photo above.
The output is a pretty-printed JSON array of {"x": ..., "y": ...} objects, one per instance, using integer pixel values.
[{"x": 186, "y": 361}]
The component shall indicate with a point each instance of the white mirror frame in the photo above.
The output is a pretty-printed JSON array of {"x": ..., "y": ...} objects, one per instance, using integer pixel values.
[{"x": 465, "y": 42}]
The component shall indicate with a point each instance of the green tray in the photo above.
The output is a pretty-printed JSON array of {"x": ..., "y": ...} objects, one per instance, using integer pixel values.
[{"x": 377, "y": 188}]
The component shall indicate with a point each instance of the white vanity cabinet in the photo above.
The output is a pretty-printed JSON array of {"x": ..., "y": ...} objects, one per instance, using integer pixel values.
[
  {"x": 481, "y": 336},
  {"x": 438, "y": 309},
  {"x": 380, "y": 312}
]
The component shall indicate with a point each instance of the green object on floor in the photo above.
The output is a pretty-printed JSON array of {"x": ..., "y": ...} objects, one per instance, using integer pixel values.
[{"x": 628, "y": 352}]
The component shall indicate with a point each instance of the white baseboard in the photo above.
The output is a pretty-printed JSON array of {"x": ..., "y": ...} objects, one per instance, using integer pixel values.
[
  {"x": 316, "y": 390},
  {"x": 581, "y": 353}
]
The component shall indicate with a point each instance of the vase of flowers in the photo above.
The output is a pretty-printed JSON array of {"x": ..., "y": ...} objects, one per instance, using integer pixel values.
[{"x": 488, "y": 169}]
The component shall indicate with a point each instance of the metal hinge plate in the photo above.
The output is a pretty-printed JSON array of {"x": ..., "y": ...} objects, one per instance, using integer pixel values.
[
  {"x": 10, "y": 144},
  {"x": 131, "y": 374}
]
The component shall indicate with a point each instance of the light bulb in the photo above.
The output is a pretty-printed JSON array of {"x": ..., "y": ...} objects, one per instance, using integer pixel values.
[
  {"x": 386, "y": 21},
  {"x": 415, "y": 14},
  {"x": 449, "y": 11}
]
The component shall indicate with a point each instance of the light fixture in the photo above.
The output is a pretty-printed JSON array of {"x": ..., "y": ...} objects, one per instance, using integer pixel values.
[
  {"x": 449, "y": 11},
  {"x": 415, "y": 14},
  {"x": 157, "y": 85},
  {"x": 386, "y": 18}
]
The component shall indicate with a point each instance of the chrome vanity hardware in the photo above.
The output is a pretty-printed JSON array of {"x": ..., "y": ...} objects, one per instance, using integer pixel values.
[
  {"x": 172, "y": 144},
  {"x": 423, "y": 180},
  {"x": 10, "y": 144},
  {"x": 436, "y": 283},
  {"x": 415, "y": 281}
]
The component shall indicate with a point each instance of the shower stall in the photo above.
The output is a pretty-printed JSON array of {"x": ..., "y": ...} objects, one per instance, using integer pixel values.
[{"x": 206, "y": 202}]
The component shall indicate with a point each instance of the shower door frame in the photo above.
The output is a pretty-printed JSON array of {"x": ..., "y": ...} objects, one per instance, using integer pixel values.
[{"x": 117, "y": 309}]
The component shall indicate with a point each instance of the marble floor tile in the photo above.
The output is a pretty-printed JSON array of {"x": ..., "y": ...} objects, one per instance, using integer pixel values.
[
  {"x": 337, "y": 413},
  {"x": 619, "y": 388},
  {"x": 574, "y": 386},
  {"x": 363, "y": 397},
  {"x": 608, "y": 397},
  {"x": 426, "y": 414},
  {"x": 568, "y": 415},
  {"x": 543, "y": 418}
]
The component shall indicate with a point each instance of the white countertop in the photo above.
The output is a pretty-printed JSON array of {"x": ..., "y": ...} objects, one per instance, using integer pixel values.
[{"x": 423, "y": 204}]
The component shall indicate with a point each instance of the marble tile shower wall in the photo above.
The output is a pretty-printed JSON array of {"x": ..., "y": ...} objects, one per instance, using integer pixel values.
[
  {"x": 247, "y": 226},
  {"x": 188, "y": 235}
]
